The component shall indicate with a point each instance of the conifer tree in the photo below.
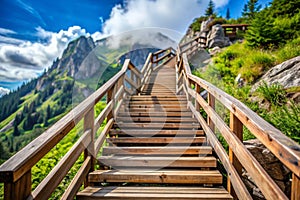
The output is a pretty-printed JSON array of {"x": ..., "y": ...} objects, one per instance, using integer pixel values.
[{"x": 210, "y": 9}]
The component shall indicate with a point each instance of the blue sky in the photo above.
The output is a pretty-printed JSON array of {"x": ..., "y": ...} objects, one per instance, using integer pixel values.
[{"x": 34, "y": 32}]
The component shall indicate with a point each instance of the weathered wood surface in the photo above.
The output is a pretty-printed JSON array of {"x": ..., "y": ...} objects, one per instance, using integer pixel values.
[
  {"x": 158, "y": 176},
  {"x": 165, "y": 193}
]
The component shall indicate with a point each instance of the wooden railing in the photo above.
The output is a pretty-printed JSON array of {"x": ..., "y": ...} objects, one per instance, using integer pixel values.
[
  {"x": 285, "y": 149},
  {"x": 193, "y": 45},
  {"x": 231, "y": 30},
  {"x": 16, "y": 172}
]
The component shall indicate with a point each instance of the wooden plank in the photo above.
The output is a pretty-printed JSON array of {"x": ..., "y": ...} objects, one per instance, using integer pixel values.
[
  {"x": 156, "y": 119},
  {"x": 159, "y": 176},
  {"x": 19, "y": 190},
  {"x": 239, "y": 186},
  {"x": 88, "y": 127},
  {"x": 182, "y": 114},
  {"x": 146, "y": 65},
  {"x": 165, "y": 193},
  {"x": 103, "y": 135},
  {"x": 130, "y": 81},
  {"x": 237, "y": 128},
  {"x": 155, "y": 109},
  {"x": 157, "y": 140},
  {"x": 52, "y": 180},
  {"x": 150, "y": 162},
  {"x": 150, "y": 133},
  {"x": 104, "y": 113},
  {"x": 77, "y": 181},
  {"x": 155, "y": 98},
  {"x": 268, "y": 187},
  {"x": 158, "y": 125},
  {"x": 295, "y": 188},
  {"x": 162, "y": 150}
]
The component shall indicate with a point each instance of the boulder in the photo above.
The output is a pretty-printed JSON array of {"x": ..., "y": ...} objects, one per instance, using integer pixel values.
[
  {"x": 204, "y": 25},
  {"x": 199, "y": 59},
  {"x": 216, "y": 37},
  {"x": 286, "y": 74},
  {"x": 277, "y": 171}
]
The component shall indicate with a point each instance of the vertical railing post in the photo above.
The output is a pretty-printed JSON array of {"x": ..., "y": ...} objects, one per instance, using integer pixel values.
[
  {"x": 197, "y": 89},
  {"x": 89, "y": 120},
  {"x": 211, "y": 102},
  {"x": 236, "y": 127},
  {"x": 295, "y": 187},
  {"x": 19, "y": 190},
  {"x": 109, "y": 98}
]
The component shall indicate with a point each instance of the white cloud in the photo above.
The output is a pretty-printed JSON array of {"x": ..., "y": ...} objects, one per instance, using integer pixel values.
[
  {"x": 171, "y": 14},
  {"x": 23, "y": 60},
  {"x": 3, "y": 91},
  {"x": 4, "y": 31}
]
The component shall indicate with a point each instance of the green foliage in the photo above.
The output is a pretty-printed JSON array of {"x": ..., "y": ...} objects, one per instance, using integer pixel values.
[
  {"x": 228, "y": 14},
  {"x": 275, "y": 25},
  {"x": 210, "y": 9},
  {"x": 274, "y": 93},
  {"x": 250, "y": 9},
  {"x": 196, "y": 25},
  {"x": 287, "y": 119}
]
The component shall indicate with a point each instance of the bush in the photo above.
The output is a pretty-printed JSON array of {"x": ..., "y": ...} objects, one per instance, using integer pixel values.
[
  {"x": 275, "y": 94},
  {"x": 287, "y": 120}
]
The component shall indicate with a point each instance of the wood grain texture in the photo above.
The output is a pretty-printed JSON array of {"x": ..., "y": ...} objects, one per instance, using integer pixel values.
[{"x": 239, "y": 186}]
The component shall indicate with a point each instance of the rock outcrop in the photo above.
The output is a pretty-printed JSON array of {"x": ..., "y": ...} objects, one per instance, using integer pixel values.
[
  {"x": 216, "y": 37},
  {"x": 278, "y": 172},
  {"x": 286, "y": 74}
]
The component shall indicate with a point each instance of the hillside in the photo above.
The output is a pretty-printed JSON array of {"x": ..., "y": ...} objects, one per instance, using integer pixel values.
[
  {"x": 84, "y": 66},
  {"x": 246, "y": 69}
]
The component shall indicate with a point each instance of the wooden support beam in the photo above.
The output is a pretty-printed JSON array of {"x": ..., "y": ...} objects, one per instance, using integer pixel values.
[
  {"x": 211, "y": 103},
  {"x": 236, "y": 127},
  {"x": 295, "y": 187},
  {"x": 20, "y": 189},
  {"x": 89, "y": 124}
]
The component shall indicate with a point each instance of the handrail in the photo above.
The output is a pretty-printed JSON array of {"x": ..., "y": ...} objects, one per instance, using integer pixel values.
[
  {"x": 285, "y": 149},
  {"x": 16, "y": 172}
]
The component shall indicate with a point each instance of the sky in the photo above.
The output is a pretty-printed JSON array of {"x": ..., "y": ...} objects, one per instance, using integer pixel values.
[{"x": 33, "y": 33}]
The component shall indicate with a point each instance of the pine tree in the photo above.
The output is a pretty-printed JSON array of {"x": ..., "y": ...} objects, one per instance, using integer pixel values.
[
  {"x": 228, "y": 14},
  {"x": 210, "y": 9},
  {"x": 250, "y": 9}
]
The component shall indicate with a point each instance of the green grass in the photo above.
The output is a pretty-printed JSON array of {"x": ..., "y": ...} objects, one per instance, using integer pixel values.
[{"x": 252, "y": 64}]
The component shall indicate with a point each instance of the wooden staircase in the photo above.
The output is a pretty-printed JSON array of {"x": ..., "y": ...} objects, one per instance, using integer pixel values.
[
  {"x": 156, "y": 149},
  {"x": 156, "y": 138}
]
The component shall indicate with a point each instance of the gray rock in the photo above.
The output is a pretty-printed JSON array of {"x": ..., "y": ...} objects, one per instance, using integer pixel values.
[
  {"x": 277, "y": 171},
  {"x": 286, "y": 74},
  {"x": 199, "y": 58},
  {"x": 216, "y": 37},
  {"x": 204, "y": 25}
]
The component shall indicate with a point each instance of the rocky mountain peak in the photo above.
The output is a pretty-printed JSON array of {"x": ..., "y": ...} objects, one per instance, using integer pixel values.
[{"x": 74, "y": 55}]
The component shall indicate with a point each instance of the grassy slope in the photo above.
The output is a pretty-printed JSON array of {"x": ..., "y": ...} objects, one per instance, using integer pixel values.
[{"x": 252, "y": 64}]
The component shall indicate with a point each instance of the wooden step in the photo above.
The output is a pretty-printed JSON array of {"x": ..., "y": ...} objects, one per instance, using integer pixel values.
[
  {"x": 161, "y": 162},
  {"x": 156, "y": 177},
  {"x": 137, "y": 125},
  {"x": 159, "y": 98},
  {"x": 156, "y": 133},
  {"x": 182, "y": 114},
  {"x": 156, "y": 140},
  {"x": 149, "y": 193},
  {"x": 154, "y": 109},
  {"x": 156, "y": 119},
  {"x": 155, "y": 106},
  {"x": 156, "y": 102},
  {"x": 161, "y": 151}
]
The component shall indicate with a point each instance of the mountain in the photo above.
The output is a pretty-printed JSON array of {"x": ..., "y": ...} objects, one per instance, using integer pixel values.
[{"x": 84, "y": 66}]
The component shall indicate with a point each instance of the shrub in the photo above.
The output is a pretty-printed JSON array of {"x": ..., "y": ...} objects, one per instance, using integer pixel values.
[{"x": 274, "y": 93}]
